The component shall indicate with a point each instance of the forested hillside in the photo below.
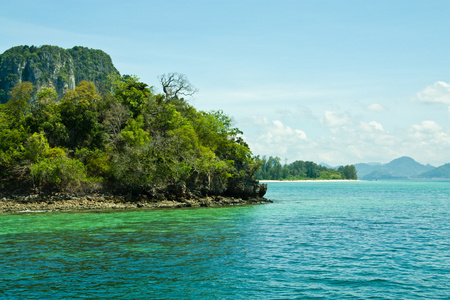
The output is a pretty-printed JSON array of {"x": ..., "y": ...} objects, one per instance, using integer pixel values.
[
  {"x": 54, "y": 67},
  {"x": 400, "y": 168},
  {"x": 129, "y": 140},
  {"x": 272, "y": 169},
  {"x": 442, "y": 172}
]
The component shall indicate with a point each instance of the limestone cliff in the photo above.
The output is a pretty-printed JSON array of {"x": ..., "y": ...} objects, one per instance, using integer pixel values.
[{"x": 55, "y": 67}]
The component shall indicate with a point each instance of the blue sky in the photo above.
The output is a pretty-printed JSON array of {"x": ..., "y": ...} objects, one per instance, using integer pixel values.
[{"x": 338, "y": 82}]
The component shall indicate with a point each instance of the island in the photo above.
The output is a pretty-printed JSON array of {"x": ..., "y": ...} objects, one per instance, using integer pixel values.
[
  {"x": 272, "y": 169},
  {"x": 75, "y": 134}
]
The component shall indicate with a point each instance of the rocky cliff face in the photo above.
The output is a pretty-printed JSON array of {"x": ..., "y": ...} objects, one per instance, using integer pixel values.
[{"x": 54, "y": 67}]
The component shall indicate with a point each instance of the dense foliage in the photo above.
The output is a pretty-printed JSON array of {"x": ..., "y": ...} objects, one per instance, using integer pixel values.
[
  {"x": 130, "y": 140},
  {"x": 272, "y": 169}
]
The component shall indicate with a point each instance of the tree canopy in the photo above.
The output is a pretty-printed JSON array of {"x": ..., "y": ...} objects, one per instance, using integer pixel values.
[
  {"x": 129, "y": 140},
  {"x": 272, "y": 169}
]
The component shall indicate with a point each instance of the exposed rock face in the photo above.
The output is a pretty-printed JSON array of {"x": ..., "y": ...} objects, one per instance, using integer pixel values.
[
  {"x": 54, "y": 67},
  {"x": 248, "y": 189}
]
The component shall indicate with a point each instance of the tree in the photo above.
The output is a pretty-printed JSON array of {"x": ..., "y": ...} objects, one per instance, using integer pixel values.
[
  {"x": 115, "y": 116},
  {"x": 59, "y": 172},
  {"x": 45, "y": 117},
  {"x": 130, "y": 140},
  {"x": 46, "y": 96},
  {"x": 134, "y": 134},
  {"x": 311, "y": 170},
  {"x": 348, "y": 172},
  {"x": 133, "y": 93},
  {"x": 175, "y": 85},
  {"x": 271, "y": 168},
  {"x": 18, "y": 105},
  {"x": 36, "y": 147},
  {"x": 79, "y": 114}
]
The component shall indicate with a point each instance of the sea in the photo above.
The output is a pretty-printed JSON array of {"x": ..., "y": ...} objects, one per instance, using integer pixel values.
[{"x": 317, "y": 240}]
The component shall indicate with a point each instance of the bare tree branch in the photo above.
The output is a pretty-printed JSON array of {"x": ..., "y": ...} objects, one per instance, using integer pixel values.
[{"x": 175, "y": 85}]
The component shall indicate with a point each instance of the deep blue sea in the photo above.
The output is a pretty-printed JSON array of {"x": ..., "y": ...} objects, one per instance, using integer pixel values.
[{"x": 318, "y": 240}]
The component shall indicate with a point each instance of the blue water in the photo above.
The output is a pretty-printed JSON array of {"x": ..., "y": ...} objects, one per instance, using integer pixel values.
[{"x": 318, "y": 240}]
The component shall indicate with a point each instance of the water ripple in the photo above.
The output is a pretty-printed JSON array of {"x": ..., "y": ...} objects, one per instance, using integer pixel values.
[{"x": 320, "y": 242}]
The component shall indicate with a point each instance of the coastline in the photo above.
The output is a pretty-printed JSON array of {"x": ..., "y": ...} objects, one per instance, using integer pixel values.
[
  {"x": 312, "y": 180},
  {"x": 67, "y": 202}
]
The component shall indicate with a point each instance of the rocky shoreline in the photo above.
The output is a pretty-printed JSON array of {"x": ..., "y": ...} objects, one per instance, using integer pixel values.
[{"x": 72, "y": 202}]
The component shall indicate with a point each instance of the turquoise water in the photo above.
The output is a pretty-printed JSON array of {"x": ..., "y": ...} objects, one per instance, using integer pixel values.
[{"x": 318, "y": 240}]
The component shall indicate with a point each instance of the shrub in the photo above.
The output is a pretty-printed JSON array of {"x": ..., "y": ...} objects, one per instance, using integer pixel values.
[{"x": 60, "y": 173}]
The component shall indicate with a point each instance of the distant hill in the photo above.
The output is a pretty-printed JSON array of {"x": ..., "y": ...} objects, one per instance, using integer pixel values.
[
  {"x": 365, "y": 169},
  {"x": 440, "y": 172},
  {"x": 400, "y": 168},
  {"x": 379, "y": 175},
  {"x": 327, "y": 165},
  {"x": 54, "y": 67}
]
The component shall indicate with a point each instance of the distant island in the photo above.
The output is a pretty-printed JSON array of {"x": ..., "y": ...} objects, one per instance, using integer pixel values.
[
  {"x": 442, "y": 172},
  {"x": 400, "y": 169},
  {"x": 74, "y": 131},
  {"x": 272, "y": 169}
]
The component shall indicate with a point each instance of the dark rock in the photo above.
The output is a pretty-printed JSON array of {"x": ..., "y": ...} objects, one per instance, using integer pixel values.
[{"x": 178, "y": 190}]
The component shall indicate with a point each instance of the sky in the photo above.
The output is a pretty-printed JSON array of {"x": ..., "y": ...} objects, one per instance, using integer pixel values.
[{"x": 330, "y": 81}]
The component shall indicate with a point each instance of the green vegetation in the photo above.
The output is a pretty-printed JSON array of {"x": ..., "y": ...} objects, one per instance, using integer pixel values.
[
  {"x": 272, "y": 169},
  {"x": 55, "y": 67},
  {"x": 442, "y": 172},
  {"x": 70, "y": 123},
  {"x": 129, "y": 140}
]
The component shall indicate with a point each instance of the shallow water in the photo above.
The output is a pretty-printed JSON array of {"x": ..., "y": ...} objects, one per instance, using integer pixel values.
[{"x": 329, "y": 240}]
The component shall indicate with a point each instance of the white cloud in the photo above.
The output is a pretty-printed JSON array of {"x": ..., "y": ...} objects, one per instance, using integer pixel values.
[
  {"x": 260, "y": 120},
  {"x": 366, "y": 142},
  {"x": 280, "y": 133},
  {"x": 427, "y": 127},
  {"x": 346, "y": 138},
  {"x": 427, "y": 142},
  {"x": 429, "y": 133},
  {"x": 333, "y": 119},
  {"x": 371, "y": 126},
  {"x": 276, "y": 139},
  {"x": 439, "y": 92},
  {"x": 376, "y": 107}
]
